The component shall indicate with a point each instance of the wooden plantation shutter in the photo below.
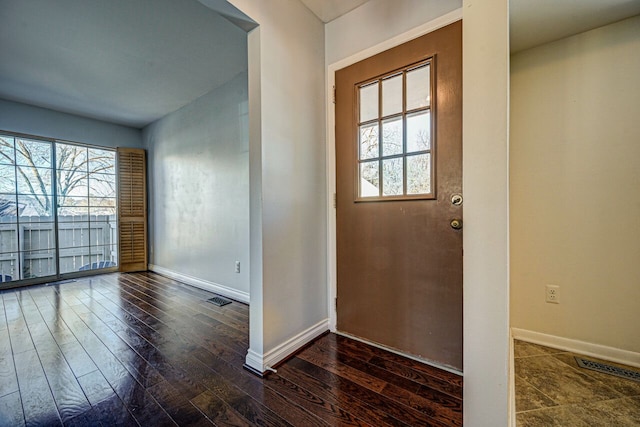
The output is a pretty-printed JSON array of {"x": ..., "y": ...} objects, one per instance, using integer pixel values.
[{"x": 132, "y": 209}]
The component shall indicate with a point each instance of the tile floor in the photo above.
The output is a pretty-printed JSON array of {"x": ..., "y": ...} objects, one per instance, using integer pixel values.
[{"x": 552, "y": 390}]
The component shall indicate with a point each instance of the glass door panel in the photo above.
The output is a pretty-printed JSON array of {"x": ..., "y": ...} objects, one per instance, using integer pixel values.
[
  {"x": 27, "y": 223},
  {"x": 86, "y": 208}
]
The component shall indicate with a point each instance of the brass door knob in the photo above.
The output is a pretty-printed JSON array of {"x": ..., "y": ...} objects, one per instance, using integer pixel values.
[{"x": 456, "y": 224}]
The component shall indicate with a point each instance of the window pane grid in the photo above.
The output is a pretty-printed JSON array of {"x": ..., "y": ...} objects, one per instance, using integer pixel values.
[
  {"x": 392, "y": 161},
  {"x": 7, "y": 150},
  {"x": 57, "y": 208}
]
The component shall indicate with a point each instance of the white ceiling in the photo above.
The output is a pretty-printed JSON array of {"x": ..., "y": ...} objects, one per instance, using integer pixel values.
[
  {"x": 328, "y": 10},
  {"x": 124, "y": 61},
  {"x": 532, "y": 22},
  {"x": 132, "y": 62},
  {"x": 535, "y": 22}
]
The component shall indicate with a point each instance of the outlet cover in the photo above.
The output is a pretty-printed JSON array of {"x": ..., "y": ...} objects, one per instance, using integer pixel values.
[{"x": 552, "y": 294}]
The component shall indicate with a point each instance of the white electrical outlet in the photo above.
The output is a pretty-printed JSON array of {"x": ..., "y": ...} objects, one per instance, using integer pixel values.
[
  {"x": 552, "y": 294},
  {"x": 237, "y": 266}
]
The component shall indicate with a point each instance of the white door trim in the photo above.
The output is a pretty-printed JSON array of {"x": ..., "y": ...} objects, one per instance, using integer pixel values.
[{"x": 416, "y": 32}]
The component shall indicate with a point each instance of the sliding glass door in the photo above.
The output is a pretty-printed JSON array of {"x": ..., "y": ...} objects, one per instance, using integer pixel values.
[
  {"x": 86, "y": 196},
  {"x": 27, "y": 223},
  {"x": 80, "y": 233}
]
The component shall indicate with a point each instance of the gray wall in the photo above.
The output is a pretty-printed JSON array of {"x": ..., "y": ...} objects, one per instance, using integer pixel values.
[
  {"x": 288, "y": 180},
  {"x": 23, "y": 118},
  {"x": 199, "y": 187}
]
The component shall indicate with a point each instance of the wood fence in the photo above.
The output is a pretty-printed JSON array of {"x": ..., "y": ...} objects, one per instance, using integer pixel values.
[{"x": 28, "y": 248}]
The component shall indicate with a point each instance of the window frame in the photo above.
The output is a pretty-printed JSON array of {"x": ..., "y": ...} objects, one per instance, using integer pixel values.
[{"x": 380, "y": 119}]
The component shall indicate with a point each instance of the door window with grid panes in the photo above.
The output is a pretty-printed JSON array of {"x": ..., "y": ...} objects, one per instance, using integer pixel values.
[{"x": 395, "y": 144}]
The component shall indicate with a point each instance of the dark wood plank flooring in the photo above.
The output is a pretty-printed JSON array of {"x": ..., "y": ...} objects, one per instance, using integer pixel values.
[{"x": 141, "y": 349}]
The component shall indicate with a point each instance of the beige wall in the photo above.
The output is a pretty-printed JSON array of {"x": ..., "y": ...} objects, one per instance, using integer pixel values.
[{"x": 575, "y": 186}]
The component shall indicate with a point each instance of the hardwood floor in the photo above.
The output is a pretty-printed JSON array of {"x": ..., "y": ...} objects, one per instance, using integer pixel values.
[{"x": 141, "y": 349}]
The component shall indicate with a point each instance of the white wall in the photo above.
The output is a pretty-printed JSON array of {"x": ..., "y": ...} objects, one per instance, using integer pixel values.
[
  {"x": 575, "y": 180},
  {"x": 199, "y": 189},
  {"x": 287, "y": 174},
  {"x": 27, "y": 119},
  {"x": 485, "y": 166}
]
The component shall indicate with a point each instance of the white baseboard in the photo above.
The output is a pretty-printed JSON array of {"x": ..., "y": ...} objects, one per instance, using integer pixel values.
[
  {"x": 263, "y": 362},
  {"x": 626, "y": 357},
  {"x": 202, "y": 284},
  {"x": 255, "y": 361}
]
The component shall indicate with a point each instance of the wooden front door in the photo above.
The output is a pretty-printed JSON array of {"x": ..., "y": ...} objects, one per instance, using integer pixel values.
[{"x": 399, "y": 197}]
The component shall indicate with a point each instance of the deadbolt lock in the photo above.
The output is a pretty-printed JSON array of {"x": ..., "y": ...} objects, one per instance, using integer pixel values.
[
  {"x": 456, "y": 199},
  {"x": 456, "y": 224}
]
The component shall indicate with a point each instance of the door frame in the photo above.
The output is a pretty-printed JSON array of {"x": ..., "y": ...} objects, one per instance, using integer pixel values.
[
  {"x": 488, "y": 392},
  {"x": 421, "y": 30}
]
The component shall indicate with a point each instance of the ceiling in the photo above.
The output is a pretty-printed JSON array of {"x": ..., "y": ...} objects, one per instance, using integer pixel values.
[
  {"x": 328, "y": 10},
  {"x": 532, "y": 22},
  {"x": 128, "y": 62},
  {"x": 535, "y": 22},
  {"x": 132, "y": 62}
]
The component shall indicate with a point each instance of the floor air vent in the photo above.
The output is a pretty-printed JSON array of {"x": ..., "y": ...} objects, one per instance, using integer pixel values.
[
  {"x": 608, "y": 369},
  {"x": 219, "y": 301}
]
